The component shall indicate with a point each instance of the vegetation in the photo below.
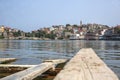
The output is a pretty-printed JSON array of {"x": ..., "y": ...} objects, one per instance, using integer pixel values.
[
  {"x": 17, "y": 34},
  {"x": 75, "y": 25},
  {"x": 117, "y": 30},
  {"x": 41, "y": 34},
  {"x": 68, "y": 25},
  {"x": 28, "y": 34},
  {"x": 1, "y": 37}
]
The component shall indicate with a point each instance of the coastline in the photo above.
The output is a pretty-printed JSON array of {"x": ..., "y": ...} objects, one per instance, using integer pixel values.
[{"x": 34, "y": 38}]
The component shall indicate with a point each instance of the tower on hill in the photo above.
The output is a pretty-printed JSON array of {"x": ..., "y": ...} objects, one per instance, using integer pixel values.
[{"x": 80, "y": 23}]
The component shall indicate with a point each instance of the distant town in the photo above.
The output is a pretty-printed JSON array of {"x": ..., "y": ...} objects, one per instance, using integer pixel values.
[{"x": 73, "y": 32}]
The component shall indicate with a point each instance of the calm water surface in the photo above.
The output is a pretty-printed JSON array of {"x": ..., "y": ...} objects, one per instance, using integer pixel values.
[{"x": 35, "y": 51}]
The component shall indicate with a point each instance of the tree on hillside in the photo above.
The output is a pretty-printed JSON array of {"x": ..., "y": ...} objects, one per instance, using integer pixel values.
[
  {"x": 17, "y": 34},
  {"x": 68, "y": 25},
  {"x": 1, "y": 36},
  {"x": 117, "y": 30},
  {"x": 28, "y": 34},
  {"x": 75, "y": 25}
]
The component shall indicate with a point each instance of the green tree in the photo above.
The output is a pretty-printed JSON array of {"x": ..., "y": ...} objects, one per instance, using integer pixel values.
[
  {"x": 17, "y": 34},
  {"x": 117, "y": 30},
  {"x": 75, "y": 25},
  {"x": 51, "y": 35},
  {"x": 28, "y": 34},
  {"x": 39, "y": 34},
  {"x": 68, "y": 25},
  {"x": 1, "y": 37}
]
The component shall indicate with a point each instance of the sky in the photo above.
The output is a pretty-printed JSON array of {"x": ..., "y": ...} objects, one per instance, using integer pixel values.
[{"x": 29, "y": 15}]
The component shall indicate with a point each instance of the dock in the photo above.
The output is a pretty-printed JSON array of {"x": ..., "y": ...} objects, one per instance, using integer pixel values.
[
  {"x": 86, "y": 65},
  {"x": 6, "y": 60},
  {"x": 34, "y": 71}
]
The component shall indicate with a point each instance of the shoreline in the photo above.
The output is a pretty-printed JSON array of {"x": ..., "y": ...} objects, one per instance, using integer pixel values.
[{"x": 68, "y": 39}]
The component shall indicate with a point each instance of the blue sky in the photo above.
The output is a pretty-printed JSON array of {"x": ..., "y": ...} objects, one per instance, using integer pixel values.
[{"x": 30, "y": 15}]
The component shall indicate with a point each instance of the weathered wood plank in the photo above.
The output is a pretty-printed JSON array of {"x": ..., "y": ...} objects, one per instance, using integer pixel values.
[
  {"x": 2, "y": 60},
  {"x": 56, "y": 61},
  {"x": 33, "y": 72},
  {"x": 14, "y": 65},
  {"x": 86, "y": 65},
  {"x": 28, "y": 66}
]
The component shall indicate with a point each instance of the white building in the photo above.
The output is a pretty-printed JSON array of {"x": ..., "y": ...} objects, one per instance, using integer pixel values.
[
  {"x": 74, "y": 37},
  {"x": 103, "y": 32},
  {"x": 51, "y": 29}
]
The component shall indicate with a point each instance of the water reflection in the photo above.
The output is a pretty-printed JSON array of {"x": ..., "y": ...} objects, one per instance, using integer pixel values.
[{"x": 34, "y": 51}]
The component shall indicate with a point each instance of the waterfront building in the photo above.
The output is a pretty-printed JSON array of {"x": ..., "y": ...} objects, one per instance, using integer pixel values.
[
  {"x": 67, "y": 34},
  {"x": 74, "y": 37},
  {"x": 2, "y": 29},
  {"x": 51, "y": 29}
]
